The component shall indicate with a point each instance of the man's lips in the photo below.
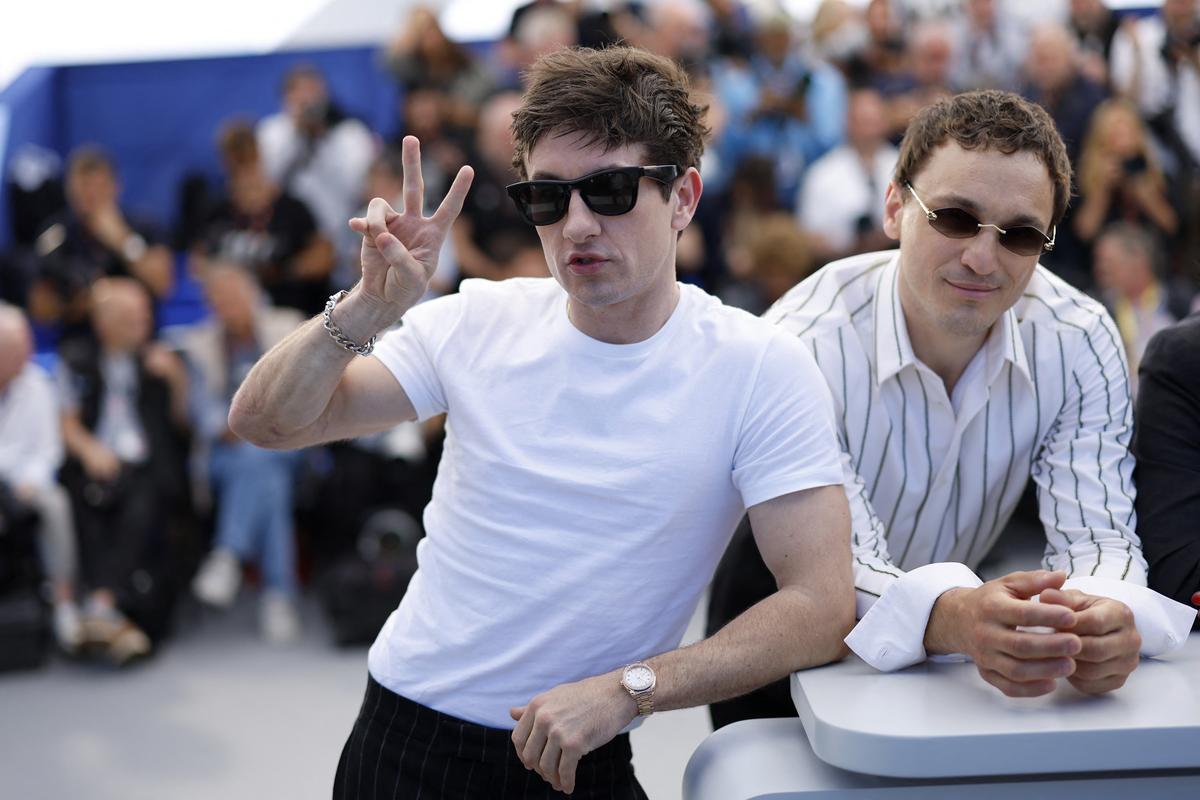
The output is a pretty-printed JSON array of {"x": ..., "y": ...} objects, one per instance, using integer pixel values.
[
  {"x": 973, "y": 289},
  {"x": 586, "y": 263}
]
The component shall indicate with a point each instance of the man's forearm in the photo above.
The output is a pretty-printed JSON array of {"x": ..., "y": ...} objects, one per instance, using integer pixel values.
[
  {"x": 291, "y": 386},
  {"x": 790, "y": 630}
]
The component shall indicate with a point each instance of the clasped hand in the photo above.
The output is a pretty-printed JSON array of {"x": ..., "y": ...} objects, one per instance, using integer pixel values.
[
  {"x": 557, "y": 728},
  {"x": 1092, "y": 641}
]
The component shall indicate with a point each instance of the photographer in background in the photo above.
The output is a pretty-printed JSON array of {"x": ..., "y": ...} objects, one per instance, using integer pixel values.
[
  {"x": 781, "y": 105},
  {"x": 1156, "y": 65},
  {"x": 841, "y": 202},
  {"x": 1119, "y": 176},
  {"x": 316, "y": 152},
  {"x": 90, "y": 239}
]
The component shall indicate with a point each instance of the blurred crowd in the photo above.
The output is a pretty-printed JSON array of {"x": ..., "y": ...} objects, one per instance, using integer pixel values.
[{"x": 114, "y": 444}]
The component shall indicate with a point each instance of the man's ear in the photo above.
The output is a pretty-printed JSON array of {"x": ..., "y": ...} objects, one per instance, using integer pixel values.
[
  {"x": 893, "y": 207},
  {"x": 686, "y": 197}
]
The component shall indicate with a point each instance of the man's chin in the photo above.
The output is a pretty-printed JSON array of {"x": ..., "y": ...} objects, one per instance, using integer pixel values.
[{"x": 966, "y": 325}]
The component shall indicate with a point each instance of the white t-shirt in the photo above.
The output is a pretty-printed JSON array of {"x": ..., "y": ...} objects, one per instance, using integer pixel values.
[
  {"x": 329, "y": 176},
  {"x": 838, "y": 191},
  {"x": 586, "y": 490}
]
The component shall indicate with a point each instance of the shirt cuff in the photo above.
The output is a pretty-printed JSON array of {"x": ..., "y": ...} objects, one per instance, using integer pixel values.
[
  {"x": 892, "y": 634},
  {"x": 1163, "y": 623}
]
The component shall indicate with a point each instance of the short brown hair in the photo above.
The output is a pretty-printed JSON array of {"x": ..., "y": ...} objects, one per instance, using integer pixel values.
[
  {"x": 614, "y": 97},
  {"x": 988, "y": 120},
  {"x": 90, "y": 158},
  {"x": 238, "y": 144}
]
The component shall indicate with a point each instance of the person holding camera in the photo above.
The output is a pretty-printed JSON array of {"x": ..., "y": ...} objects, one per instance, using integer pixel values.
[
  {"x": 782, "y": 105},
  {"x": 1156, "y": 66},
  {"x": 312, "y": 149},
  {"x": 1119, "y": 176},
  {"x": 841, "y": 201}
]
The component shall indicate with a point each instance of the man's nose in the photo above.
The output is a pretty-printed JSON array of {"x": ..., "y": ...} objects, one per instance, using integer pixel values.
[
  {"x": 580, "y": 221},
  {"x": 983, "y": 250}
]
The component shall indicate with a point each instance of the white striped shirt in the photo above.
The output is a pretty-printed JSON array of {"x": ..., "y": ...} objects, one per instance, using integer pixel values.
[{"x": 934, "y": 478}]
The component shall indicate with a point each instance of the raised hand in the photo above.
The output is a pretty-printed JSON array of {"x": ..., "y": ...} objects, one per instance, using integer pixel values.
[{"x": 400, "y": 248}]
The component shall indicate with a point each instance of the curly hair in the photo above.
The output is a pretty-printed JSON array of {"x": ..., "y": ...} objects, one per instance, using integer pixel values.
[
  {"x": 613, "y": 97},
  {"x": 988, "y": 120}
]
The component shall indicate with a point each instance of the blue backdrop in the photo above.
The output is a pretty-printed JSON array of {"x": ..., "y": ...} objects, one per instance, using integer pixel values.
[{"x": 159, "y": 119}]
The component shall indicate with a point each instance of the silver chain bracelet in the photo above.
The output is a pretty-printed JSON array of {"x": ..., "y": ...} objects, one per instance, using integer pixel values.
[{"x": 342, "y": 339}]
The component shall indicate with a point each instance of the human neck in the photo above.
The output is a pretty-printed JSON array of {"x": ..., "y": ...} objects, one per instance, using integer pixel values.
[
  {"x": 866, "y": 151},
  {"x": 239, "y": 330},
  {"x": 946, "y": 354},
  {"x": 630, "y": 321}
]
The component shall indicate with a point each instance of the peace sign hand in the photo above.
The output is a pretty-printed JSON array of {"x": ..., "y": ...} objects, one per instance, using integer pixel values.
[{"x": 400, "y": 249}]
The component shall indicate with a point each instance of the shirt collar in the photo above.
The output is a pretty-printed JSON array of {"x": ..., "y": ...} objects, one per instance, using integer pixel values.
[{"x": 893, "y": 348}]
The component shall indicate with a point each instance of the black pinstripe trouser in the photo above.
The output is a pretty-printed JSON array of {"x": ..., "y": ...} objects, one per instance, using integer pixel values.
[{"x": 402, "y": 749}]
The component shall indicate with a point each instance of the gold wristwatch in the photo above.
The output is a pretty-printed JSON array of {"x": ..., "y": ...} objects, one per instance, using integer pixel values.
[{"x": 639, "y": 680}]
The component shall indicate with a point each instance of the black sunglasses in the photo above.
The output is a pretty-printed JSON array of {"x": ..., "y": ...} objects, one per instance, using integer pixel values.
[
  {"x": 609, "y": 192},
  {"x": 1024, "y": 240}
]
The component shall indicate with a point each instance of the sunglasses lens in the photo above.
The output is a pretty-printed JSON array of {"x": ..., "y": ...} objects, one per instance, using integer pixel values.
[
  {"x": 1024, "y": 241},
  {"x": 610, "y": 193},
  {"x": 543, "y": 203},
  {"x": 955, "y": 223}
]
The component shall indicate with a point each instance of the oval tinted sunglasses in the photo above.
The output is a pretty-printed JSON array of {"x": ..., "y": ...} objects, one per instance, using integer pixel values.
[
  {"x": 610, "y": 192},
  {"x": 1024, "y": 240}
]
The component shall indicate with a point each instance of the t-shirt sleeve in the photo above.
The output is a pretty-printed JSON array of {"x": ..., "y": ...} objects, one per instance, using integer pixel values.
[
  {"x": 787, "y": 441},
  {"x": 414, "y": 352}
]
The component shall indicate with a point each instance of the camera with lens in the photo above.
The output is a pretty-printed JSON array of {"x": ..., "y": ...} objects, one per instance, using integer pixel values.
[{"x": 1134, "y": 165}]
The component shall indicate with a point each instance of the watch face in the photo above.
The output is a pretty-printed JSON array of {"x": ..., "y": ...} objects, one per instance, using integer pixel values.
[{"x": 639, "y": 678}]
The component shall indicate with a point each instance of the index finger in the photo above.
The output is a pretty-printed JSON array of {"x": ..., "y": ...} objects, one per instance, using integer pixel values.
[
  {"x": 452, "y": 203},
  {"x": 379, "y": 214}
]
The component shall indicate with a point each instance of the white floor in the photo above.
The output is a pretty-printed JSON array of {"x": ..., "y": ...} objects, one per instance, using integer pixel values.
[{"x": 220, "y": 715}]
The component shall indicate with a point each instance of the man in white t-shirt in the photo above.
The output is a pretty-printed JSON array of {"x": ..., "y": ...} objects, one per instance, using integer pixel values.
[{"x": 605, "y": 431}]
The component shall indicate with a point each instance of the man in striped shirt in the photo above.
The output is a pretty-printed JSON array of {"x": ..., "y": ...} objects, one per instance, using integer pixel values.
[{"x": 959, "y": 369}]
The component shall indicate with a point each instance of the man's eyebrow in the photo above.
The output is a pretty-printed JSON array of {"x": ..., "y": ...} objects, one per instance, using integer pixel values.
[{"x": 967, "y": 204}]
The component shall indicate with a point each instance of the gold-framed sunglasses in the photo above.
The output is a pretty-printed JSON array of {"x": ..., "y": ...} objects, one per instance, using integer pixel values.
[{"x": 957, "y": 223}]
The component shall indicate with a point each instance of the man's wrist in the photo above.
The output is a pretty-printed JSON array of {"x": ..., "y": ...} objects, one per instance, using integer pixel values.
[
  {"x": 622, "y": 699},
  {"x": 360, "y": 317},
  {"x": 944, "y": 626},
  {"x": 639, "y": 681}
]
